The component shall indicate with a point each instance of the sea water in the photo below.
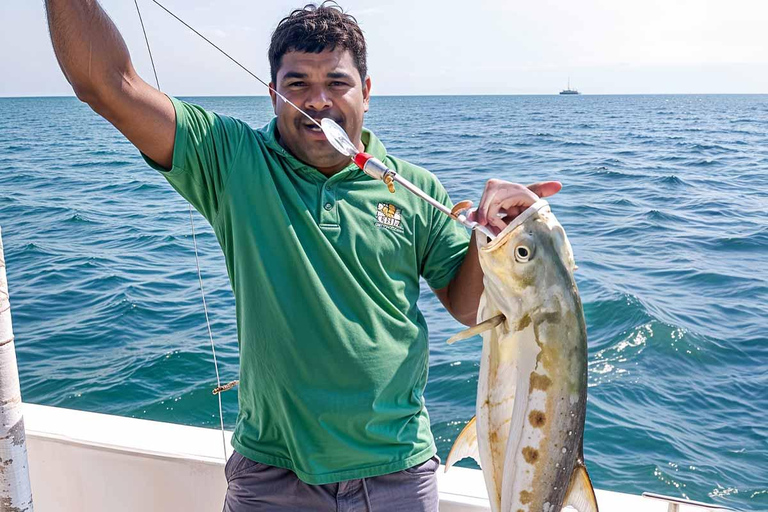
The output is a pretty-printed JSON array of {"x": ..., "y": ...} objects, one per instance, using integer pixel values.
[{"x": 665, "y": 201}]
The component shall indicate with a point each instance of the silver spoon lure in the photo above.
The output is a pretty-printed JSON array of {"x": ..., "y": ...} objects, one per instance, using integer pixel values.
[{"x": 376, "y": 169}]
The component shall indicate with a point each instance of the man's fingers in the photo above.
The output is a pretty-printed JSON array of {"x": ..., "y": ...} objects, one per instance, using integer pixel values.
[
  {"x": 523, "y": 198},
  {"x": 497, "y": 222},
  {"x": 485, "y": 204},
  {"x": 512, "y": 213},
  {"x": 511, "y": 198},
  {"x": 545, "y": 188}
]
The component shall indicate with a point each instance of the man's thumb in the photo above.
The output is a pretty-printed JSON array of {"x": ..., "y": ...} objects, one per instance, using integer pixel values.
[{"x": 545, "y": 188}]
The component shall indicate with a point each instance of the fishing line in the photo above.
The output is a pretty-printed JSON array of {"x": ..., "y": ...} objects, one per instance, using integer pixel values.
[
  {"x": 376, "y": 169},
  {"x": 151, "y": 59},
  {"x": 236, "y": 62},
  {"x": 197, "y": 263}
]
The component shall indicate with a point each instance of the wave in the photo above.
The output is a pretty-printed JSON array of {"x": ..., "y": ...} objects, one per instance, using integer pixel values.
[
  {"x": 570, "y": 143},
  {"x": 623, "y": 201},
  {"x": 659, "y": 216},
  {"x": 704, "y": 162},
  {"x": 638, "y": 136},
  {"x": 144, "y": 187},
  {"x": 34, "y": 248},
  {"x": 103, "y": 163},
  {"x": 611, "y": 173},
  {"x": 710, "y": 147},
  {"x": 79, "y": 217},
  {"x": 753, "y": 241},
  {"x": 672, "y": 180},
  {"x": 13, "y": 148},
  {"x": 618, "y": 313},
  {"x": 671, "y": 158}
]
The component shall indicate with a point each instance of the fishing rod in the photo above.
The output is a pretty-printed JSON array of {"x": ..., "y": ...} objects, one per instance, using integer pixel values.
[{"x": 339, "y": 139}]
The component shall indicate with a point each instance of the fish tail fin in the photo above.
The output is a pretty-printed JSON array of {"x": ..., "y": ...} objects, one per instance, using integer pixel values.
[
  {"x": 581, "y": 494},
  {"x": 464, "y": 446}
]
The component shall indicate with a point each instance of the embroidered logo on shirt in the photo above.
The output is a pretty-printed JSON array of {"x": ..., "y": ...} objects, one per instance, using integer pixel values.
[{"x": 388, "y": 216}]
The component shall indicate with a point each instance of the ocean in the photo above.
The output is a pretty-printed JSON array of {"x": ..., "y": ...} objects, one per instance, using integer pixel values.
[{"x": 665, "y": 201}]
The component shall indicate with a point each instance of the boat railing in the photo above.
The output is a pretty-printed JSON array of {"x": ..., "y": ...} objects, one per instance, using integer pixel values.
[{"x": 673, "y": 503}]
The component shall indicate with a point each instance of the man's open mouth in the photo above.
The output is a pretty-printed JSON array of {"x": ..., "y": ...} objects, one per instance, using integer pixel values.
[{"x": 309, "y": 125}]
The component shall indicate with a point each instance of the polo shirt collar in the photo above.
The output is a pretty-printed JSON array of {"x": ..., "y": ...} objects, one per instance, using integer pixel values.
[{"x": 373, "y": 146}]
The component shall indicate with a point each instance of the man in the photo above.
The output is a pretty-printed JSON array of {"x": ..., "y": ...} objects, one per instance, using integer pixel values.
[{"x": 323, "y": 260}]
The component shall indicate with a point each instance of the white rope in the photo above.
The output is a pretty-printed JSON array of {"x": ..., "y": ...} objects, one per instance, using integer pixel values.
[{"x": 197, "y": 263}]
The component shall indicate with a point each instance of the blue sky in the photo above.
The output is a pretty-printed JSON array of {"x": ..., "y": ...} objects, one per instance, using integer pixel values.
[{"x": 431, "y": 47}]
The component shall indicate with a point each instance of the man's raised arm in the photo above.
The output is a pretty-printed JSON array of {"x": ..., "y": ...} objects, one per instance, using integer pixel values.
[{"x": 95, "y": 60}]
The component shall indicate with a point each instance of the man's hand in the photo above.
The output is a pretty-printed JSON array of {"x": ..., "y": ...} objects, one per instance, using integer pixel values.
[
  {"x": 502, "y": 201},
  {"x": 462, "y": 295}
]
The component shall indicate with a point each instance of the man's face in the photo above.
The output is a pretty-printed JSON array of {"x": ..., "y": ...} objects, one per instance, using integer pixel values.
[{"x": 325, "y": 84}]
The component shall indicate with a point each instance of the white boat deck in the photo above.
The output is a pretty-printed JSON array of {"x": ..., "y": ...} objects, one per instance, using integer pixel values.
[{"x": 88, "y": 462}]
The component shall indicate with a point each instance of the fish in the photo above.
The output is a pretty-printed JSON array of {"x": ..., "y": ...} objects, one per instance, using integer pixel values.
[{"x": 528, "y": 431}]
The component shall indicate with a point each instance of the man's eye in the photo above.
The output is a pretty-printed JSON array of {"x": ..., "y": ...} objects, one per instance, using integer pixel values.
[
  {"x": 296, "y": 84},
  {"x": 338, "y": 84}
]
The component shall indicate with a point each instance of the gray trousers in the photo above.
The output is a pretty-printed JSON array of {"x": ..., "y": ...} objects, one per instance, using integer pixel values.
[{"x": 256, "y": 487}]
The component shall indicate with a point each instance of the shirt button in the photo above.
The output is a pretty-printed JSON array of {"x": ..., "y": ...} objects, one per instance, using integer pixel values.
[{"x": 328, "y": 206}]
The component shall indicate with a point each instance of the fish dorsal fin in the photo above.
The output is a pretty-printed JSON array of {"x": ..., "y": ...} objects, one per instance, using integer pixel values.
[
  {"x": 480, "y": 328},
  {"x": 581, "y": 495},
  {"x": 464, "y": 446}
]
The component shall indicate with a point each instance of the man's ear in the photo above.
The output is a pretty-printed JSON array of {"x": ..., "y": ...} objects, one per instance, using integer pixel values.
[
  {"x": 273, "y": 96},
  {"x": 366, "y": 93}
]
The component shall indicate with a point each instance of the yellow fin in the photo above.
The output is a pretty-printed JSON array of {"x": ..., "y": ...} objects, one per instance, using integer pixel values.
[
  {"x": 483, "y": 326},
  {"x": 464, "y": 446},
  {"x": 581, "y": 495}
]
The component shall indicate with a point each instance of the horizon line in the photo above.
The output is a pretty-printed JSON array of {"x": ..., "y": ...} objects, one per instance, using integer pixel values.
[{"x": 436, "y": 95}]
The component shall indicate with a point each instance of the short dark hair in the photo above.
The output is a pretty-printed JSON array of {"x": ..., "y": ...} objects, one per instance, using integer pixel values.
[{"x": 315, "y": 29}]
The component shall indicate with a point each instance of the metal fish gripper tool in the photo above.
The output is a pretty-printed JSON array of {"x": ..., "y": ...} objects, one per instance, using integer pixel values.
[{"x": 376, "y": 169}]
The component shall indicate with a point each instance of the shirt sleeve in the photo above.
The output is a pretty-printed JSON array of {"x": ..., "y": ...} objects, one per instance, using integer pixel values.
[
  {"x": 447, "y": 244},
  {"x": 204, "y": 150}
]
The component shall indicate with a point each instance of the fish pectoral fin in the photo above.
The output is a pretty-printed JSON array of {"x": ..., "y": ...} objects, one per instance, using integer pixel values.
[
  {"x": 480, "y": 328},
  {"x": 581, "y": 495},
  {"x": 464, "y": 446}
]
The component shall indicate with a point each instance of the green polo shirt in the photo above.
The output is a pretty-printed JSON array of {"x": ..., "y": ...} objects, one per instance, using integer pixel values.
[{"x": 325, "y": 273}]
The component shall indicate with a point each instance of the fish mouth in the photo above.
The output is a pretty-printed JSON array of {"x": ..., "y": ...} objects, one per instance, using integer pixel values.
[{"x": 518, "y": 221}]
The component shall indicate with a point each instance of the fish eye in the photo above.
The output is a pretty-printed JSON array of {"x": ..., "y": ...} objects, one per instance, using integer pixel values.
[{"x": 522, "y": 253}]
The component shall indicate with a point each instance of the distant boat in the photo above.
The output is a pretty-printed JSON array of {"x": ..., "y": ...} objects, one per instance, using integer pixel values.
[{"x": 569, "y": 90}]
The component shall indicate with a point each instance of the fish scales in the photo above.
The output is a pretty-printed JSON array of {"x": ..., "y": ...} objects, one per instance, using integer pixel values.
[{"x": 532, "y": 390}]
